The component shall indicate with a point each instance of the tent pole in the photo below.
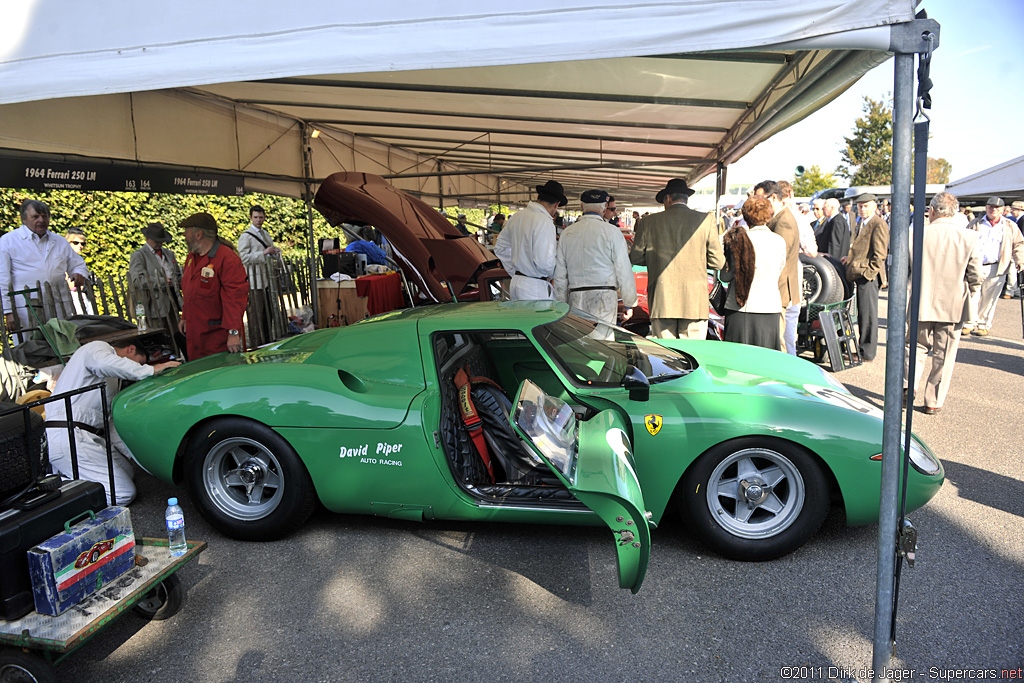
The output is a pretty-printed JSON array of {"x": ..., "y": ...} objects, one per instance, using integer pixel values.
[
  {"x": 720, "y": 187},
  {"x": 888, "y": 524},
  {"x": 440, "y": 187},
  {"x": 307, "y": 166}
]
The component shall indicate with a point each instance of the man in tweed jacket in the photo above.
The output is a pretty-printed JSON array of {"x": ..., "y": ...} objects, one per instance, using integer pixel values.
[{"x": 677, "y": 245}]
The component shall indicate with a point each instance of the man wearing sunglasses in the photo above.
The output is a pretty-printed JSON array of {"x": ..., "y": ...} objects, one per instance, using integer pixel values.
[{"x": 76, "y": 239}]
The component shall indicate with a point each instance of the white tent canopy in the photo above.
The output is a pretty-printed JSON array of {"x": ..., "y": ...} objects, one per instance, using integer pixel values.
[
  {"x": 1005, "y": 180},
  {"x": 449, "y": 100}
]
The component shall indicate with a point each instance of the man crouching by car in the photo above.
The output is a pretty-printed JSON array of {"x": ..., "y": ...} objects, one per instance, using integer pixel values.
[{"x": 95, "y": 362}]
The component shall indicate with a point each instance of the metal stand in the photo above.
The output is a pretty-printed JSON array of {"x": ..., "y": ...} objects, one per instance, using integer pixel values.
[{"x": 840, "y": 339}]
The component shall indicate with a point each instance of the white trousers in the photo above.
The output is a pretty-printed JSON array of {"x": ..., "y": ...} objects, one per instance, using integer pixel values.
[
  {"x": 524, "y": 288},
  {"x": 983, "y": 304},
  {"x": 602, "y": 304},
  {"x": 91, "y": 450}
]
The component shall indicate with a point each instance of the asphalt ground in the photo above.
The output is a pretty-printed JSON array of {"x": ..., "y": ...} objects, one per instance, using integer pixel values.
[{"x": 366, "y": 599}]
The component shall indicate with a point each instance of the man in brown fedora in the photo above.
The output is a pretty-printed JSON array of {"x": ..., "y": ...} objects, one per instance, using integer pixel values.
[
  {"x": 155, "y": 276},
  {"x": 215, "y": 290},
  {"x": 526, "y": 245},
  {"x": 677, "y": 245}
]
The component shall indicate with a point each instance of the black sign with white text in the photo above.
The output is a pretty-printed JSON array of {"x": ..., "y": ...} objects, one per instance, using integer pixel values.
[{"x": 45, "y": 175}]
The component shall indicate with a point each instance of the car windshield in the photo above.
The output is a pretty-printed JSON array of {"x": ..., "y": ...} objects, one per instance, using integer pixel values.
[
  {"x": 597, "y": 354},
  {"x": 549, "y": 423}
]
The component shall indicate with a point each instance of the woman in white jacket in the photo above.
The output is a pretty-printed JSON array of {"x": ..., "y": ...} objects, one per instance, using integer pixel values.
[{"x": 755, "y": 258}]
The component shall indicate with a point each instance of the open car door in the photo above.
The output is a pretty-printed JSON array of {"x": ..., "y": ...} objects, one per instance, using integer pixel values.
[{"x": 593, "y": 460}]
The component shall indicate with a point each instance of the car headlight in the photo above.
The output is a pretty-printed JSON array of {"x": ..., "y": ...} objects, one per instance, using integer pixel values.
[{"x": 922, "y": 459}]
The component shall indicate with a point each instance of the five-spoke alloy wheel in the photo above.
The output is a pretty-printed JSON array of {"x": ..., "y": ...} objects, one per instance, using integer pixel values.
[
  {"x": 755, "y": 500},
  {"x": 247, "y": 481}
]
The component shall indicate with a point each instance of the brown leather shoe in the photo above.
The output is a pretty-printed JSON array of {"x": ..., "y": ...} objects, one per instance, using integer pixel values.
[
  {"x": 931, "y": 411},
  {"x": 1007, "y": 296},
  {"x": 967, "y": 329},
  {"x": 980, "y": 332}
]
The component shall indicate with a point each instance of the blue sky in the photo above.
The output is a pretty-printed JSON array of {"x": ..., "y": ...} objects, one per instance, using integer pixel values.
[{"x": 977, "y": 115}]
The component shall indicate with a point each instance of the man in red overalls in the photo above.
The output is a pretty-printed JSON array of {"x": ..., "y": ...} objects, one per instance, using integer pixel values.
[{"x": 214, "y": 288}]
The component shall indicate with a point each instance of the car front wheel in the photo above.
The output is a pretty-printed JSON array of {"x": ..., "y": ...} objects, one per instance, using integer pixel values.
[
  {"x": 754, "y": 500},
  {"x": 247, "y": 481}
]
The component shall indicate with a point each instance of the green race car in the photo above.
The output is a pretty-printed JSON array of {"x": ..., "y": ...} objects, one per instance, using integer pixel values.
[{"x": 517, "y": 412}]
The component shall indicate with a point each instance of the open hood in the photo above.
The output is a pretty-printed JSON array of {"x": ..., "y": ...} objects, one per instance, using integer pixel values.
[{"x": 429, "y": 249}]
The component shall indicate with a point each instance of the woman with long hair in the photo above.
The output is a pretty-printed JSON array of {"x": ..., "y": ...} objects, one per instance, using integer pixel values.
[{"x": 755, "y": 257}]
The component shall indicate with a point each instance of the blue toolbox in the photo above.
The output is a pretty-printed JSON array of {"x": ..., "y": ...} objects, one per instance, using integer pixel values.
[
  {"x": 31, "y": 519},
  {"x": 77, "y": 562}
]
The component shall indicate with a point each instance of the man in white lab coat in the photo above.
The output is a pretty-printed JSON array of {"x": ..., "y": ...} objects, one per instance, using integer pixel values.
[
  {"x": 592, "y": 263},
  {"x": 32, "y": 254},
  {"x": 526, "y": 245},
  {"x": 95, "y": 362}
]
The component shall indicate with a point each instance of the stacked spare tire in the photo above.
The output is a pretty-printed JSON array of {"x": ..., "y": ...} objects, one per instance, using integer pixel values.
[{"x": 824, "y": 280}]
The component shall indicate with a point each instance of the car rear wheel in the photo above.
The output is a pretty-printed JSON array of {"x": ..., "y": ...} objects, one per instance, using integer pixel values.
[
  {"x": 753, "y": 499},
  {"x": 247, "y": 481}
]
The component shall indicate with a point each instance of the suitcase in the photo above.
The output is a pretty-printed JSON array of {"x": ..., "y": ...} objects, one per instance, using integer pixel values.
[
  {"x": 21, "y": 529},
  {"x": 84, "y": 557},
  {"x": 21, "y": 459}
]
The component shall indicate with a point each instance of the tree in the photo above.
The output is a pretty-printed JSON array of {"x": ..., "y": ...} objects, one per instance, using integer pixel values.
[
  {"x": 938, "y": 170},
  {"x": 812, "y": 180},
  {"x": 867, "y": 157}
]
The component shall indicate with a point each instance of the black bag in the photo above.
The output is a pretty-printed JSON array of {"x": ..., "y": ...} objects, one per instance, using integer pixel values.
[
  {"x": 718, "y": 296},
  {"x": 22, "y": 458}
]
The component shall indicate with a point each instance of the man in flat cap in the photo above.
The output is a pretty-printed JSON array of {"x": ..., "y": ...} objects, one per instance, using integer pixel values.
[
  {"x": 155, "y": 277},
  {"x": 526, "y": 246},
  {"x": 999, "y": 241},
  {"x": 677, "y": 245},
  {"x": 214, "y": 288},
  {"x": 865, "y": 268},
  {"x": 592, "y": 264}
]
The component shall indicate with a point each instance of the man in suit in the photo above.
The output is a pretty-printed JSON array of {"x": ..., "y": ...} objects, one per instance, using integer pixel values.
[
  {"x": 155, "y": 276},
  {"x": 950, "y": 274},
  {"x": 784, "y": 224},
  {"x": 677, "y": 245},
  {"x": 834, "y": 237},
  {"x": 865, "y": 267}
]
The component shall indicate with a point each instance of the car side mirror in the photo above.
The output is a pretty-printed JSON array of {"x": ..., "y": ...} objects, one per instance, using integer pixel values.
[{"x": 636, "y": 382}]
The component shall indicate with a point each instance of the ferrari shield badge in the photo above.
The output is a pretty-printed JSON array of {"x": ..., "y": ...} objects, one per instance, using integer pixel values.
[{"x": 653, "y": 423}]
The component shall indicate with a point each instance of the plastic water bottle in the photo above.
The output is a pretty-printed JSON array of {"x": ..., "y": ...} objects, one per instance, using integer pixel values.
[
  {"x": 175, "y": 528},
  {"x": 140, "y": 317}
]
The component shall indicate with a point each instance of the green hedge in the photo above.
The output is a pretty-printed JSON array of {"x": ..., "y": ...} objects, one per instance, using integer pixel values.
[{"x": 113, "y": 221}]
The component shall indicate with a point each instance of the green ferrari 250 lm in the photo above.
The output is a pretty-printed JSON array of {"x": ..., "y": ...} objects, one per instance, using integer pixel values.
[{"x": 518, "y": 412}]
